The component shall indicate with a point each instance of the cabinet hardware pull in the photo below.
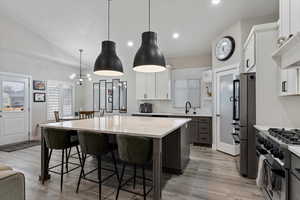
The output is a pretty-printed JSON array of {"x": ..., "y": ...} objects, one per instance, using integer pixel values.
[{"x": 283, "y": 89}]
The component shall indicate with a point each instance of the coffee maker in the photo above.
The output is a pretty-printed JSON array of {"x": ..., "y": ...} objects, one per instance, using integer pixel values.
[{"x": 146, "y": 108}]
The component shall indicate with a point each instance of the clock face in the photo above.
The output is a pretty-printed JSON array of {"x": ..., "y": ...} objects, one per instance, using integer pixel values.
[{"x": 225, "y": 48}]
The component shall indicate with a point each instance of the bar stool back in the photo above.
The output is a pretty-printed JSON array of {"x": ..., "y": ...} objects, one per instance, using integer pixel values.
[
  {"x": 95, "y": 144},
  {"x": 136, "y": 151},
  {"x": 58, "y": 139}
]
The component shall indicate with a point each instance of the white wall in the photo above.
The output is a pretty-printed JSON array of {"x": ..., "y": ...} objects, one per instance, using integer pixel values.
[
  {"x": 272, "y": 110},
  {"x": 24, "y": 52},
  {"x": 190, "y": 61},
  {"x": 239, "y": 31}
]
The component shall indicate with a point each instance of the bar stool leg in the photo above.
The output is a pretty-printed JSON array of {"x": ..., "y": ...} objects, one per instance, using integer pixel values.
[
  {"x": 134, "y": 177},
  {"x": 115, "y": 165},
  {"x": 67, "y": 159},
  {"x": 81, "y": 172},
  {"x": 121, "y": 179},
  {"x": 50, "y": 154},
  {"x": 144, "y": 183},
  {"x": 62, "y": 170},
  {"x": 79, "y": 157},
  {"x": 99, "y": 176}
]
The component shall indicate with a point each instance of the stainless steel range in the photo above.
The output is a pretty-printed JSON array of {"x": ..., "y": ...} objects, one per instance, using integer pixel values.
[{"x": 273, "y": 144}]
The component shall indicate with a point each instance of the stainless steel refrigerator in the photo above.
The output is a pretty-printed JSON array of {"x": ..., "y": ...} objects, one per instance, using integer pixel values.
[{"x": 244, "y": 112}]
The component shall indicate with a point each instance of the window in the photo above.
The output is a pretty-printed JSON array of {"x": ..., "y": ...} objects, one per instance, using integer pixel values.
[
  {"x": 187, "y": 90},
  {"x": 59, "y": 98},
  {"x": 13, "y": 96}
]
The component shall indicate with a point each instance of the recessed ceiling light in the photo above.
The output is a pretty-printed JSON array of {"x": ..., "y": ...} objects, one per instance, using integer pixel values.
[
  {"x": 215, "y": 2},
  {"x": 130, "y": 43},
  {"x": 176, "y": 35}
]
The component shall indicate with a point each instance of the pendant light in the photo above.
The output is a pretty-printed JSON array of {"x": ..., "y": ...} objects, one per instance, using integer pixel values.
[
  {"x": 149, "y": 58},
  {"x": 108, "y": 63},
  {"x": 80, "y": 78}
]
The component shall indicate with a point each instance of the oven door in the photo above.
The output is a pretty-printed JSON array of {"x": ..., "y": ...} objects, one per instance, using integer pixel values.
[{"x": 274, "y": 180}]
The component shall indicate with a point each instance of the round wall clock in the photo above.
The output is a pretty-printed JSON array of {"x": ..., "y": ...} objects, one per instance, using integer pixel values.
[{"x": 225, "y": 48}]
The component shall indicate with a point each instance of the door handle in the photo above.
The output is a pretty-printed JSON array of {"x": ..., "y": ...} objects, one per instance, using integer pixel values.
[
  {"x": 0, "y": 116},
  {"x": 218, "y": 115}
]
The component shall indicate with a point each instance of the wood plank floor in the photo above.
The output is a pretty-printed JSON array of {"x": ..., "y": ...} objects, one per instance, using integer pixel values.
[{"x": 210, "y": 175}]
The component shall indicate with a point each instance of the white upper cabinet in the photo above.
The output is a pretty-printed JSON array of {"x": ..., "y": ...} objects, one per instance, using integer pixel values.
[
  {"x": 284, "y": 21},
  {"x": 151, "y": 86},
  {"x": 287, "y": 55},
  {"x": 140, "y": 85},
  {"x": 295, "y": 16},
  {"x": 289, "y": 83},
  {"x": 163, "y": 85},
  {"x": 249, "y": 53}
]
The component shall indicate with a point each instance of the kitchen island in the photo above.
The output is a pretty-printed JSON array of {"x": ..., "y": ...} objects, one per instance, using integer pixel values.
[{"x": 155, "y": 128}]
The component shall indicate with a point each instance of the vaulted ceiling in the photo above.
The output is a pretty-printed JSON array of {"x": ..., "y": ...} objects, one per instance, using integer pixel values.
[{"x": 74, "y": 24}]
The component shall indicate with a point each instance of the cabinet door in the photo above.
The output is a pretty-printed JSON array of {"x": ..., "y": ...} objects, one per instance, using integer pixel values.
[
  {"x": 163, "y": 85},
  {"x": 295, "y": 16},
  {"x": 284, "y": 17},
  {"x": 292, "y": 84},
  {"x": 150, "y": 85},
  {"x": 283, "y": 83},
  {"x": 289, "y": 82},
  {"x": 250, "y": 57},
  {"x": 140, "y": 85}
]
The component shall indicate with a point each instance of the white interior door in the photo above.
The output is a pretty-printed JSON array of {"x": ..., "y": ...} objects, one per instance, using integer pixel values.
[
  {"x": 224, "y": 111},
  {"x": 14, "y": 109}
]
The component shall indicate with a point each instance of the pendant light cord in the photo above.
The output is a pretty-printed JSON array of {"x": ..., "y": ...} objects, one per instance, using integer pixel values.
[
  {"x": 80, "y": 73},
  {"x": 108, "y": 19},
  {"x": 149, "y": 13}
]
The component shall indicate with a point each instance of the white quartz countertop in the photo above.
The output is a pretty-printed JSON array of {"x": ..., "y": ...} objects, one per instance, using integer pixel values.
[
  {"x": 295, "y": 150},
  {"x": 292, "y": 148},
  {"x": 175, "y": 114},
  {"x": 128, "y": 125}
]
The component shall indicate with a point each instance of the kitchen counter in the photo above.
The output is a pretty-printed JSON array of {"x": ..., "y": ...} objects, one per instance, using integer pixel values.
[
  {"x": 200, "y": 126},
  {"x": 173, "y": 114},
  {"x": 126, "y": 125},
  {"x": 295, "y": 149}
]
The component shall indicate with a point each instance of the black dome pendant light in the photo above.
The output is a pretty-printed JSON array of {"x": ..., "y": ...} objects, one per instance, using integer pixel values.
[
  {"x": 149, "y": 58},
  {"x": 108, "y": 63}
]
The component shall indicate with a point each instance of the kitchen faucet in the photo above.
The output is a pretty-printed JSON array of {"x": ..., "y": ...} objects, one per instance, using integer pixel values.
[{"x": 188, "y": 106}]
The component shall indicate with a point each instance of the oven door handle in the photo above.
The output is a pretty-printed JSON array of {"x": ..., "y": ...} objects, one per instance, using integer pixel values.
[{"x": 276, "y": 171}]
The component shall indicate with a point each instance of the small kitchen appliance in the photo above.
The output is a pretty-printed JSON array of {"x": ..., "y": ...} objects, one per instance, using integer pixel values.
[{"x": 146, "y": 108}]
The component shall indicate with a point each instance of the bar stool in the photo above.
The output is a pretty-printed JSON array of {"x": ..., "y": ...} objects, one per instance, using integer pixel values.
[
  {"x": 58, "y": 139},
  {"x": 136, "y": 151},
  {"x": 96, "y": 144}
]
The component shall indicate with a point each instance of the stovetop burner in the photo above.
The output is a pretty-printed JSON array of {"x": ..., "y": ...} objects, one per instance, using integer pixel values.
[{"x": 287, "y": 136}]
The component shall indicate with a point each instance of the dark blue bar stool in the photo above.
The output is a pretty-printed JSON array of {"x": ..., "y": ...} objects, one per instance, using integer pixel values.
[
  {"x": 135, "y": 151},
  {"x": 98, "y": 145},
  {"x": 58, "y": 139}
]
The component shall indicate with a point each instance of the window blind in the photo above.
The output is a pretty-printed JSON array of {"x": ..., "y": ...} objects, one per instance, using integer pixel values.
[{"x": 59, "y": 98}]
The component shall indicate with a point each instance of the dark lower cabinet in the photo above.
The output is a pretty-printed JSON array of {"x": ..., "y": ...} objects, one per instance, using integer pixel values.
[
  {"x": 294, "y": 179},
  {"x": 201, "y": 131},
  {"x": 176, "y": 151}
]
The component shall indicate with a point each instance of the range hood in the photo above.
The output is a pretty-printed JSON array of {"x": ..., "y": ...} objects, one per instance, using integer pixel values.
[{"x": 288, "y": 55}]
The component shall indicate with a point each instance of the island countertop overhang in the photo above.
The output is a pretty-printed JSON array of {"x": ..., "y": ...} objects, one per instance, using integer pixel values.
[{"x": 125, "y": 125}]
